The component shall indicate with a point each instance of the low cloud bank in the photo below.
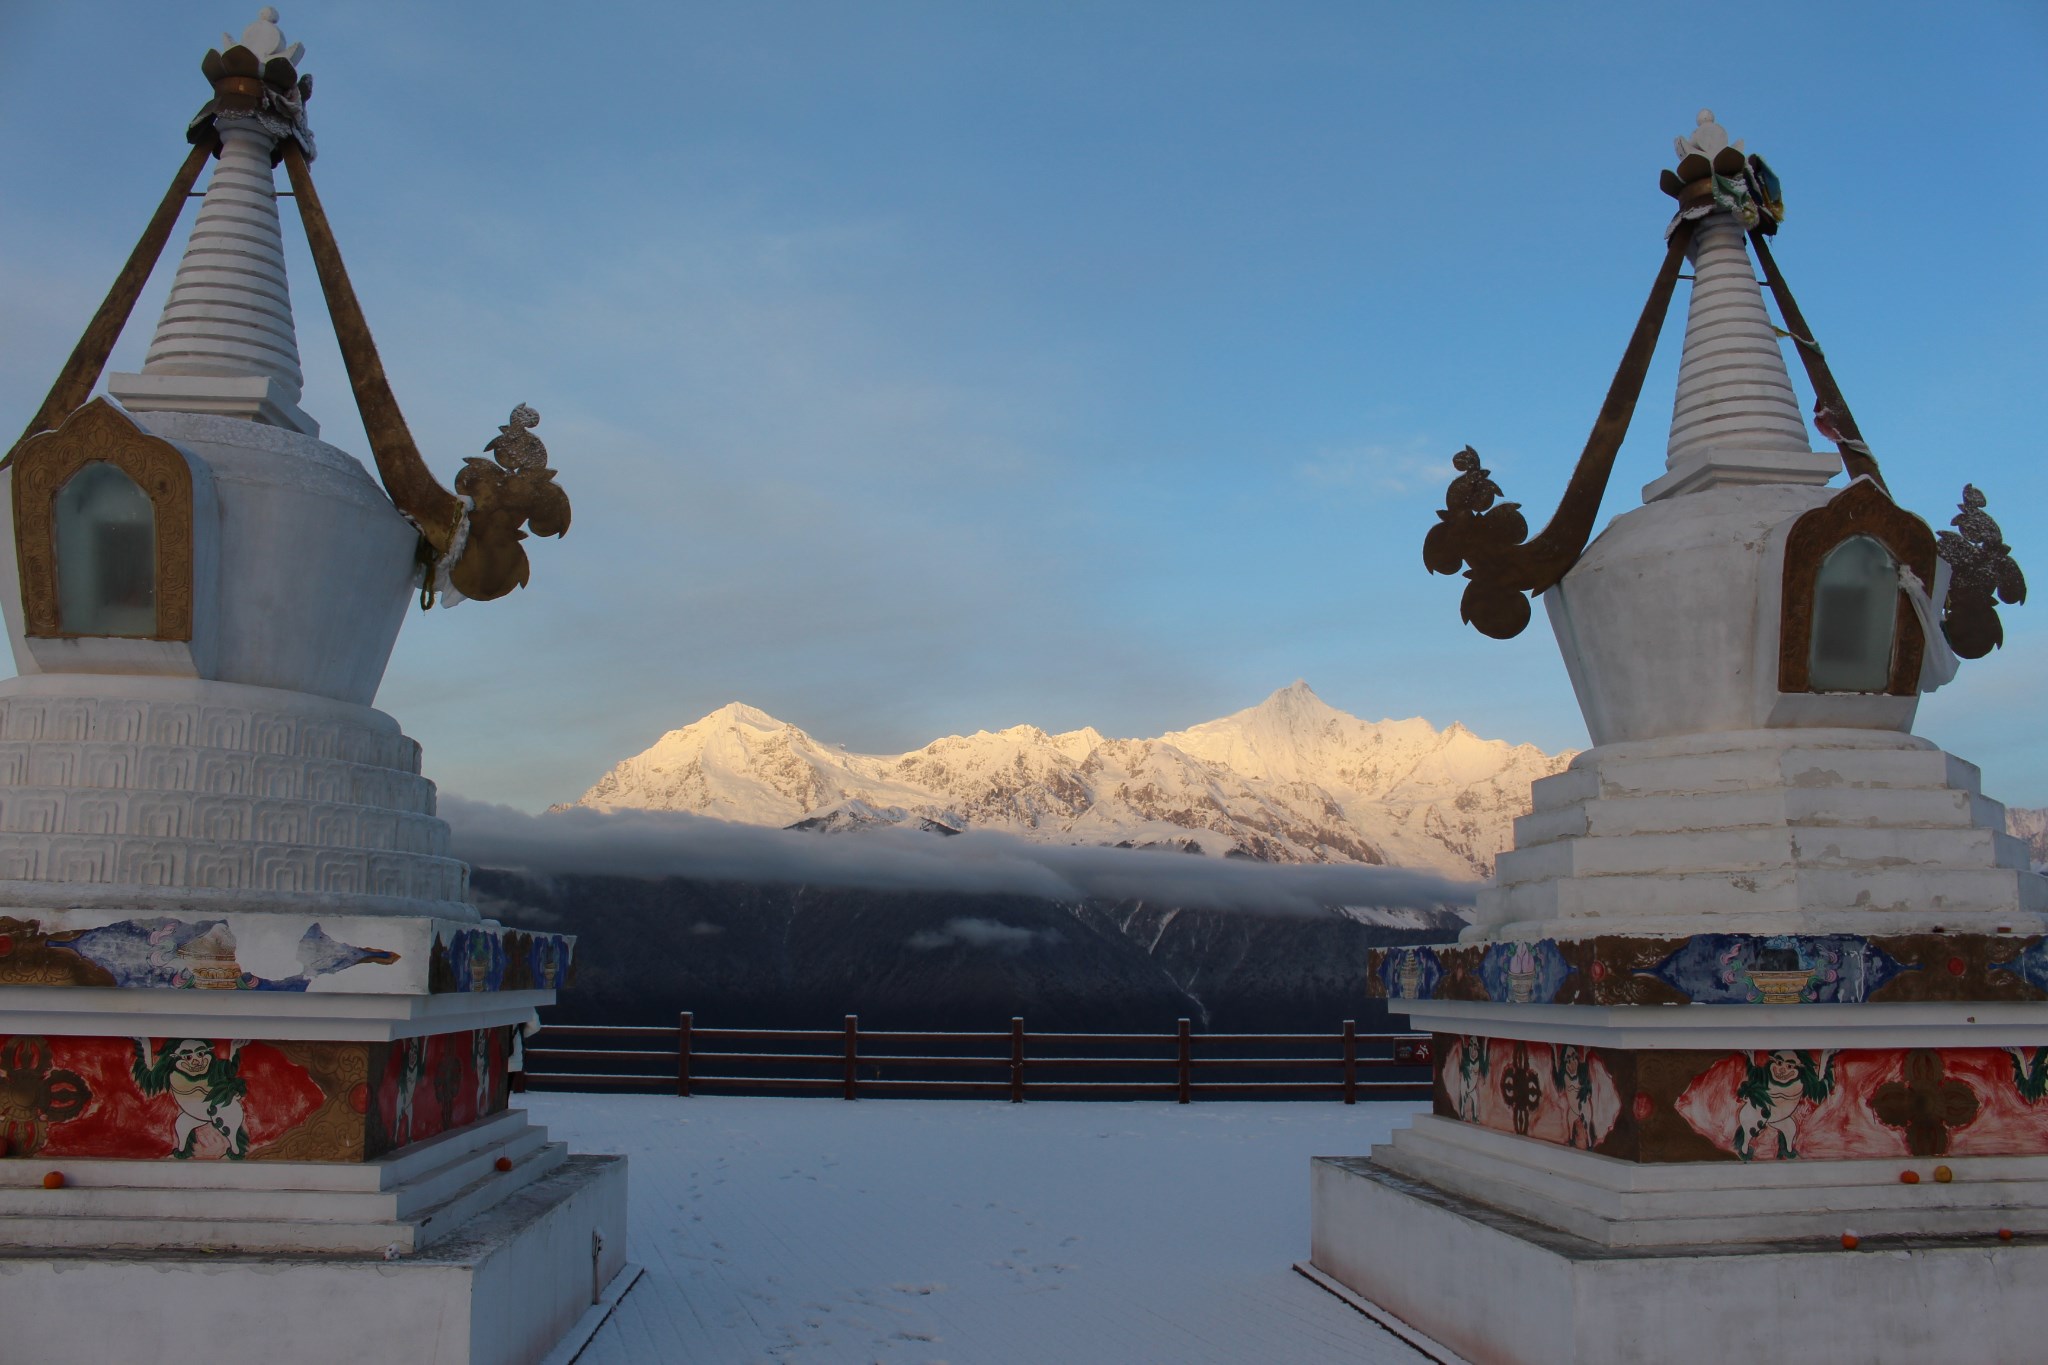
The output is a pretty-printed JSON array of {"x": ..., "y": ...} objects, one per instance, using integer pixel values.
[{"x": 673, "y": 844}]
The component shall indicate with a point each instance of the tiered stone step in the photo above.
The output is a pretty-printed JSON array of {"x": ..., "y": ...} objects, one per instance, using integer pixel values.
[
  {"x": 1623, "y": 1203},
  {"x": 1846, "y": 830},
  {"x": 408, "y": 1200}
]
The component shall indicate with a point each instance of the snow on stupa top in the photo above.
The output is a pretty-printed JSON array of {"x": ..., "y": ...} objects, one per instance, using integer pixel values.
[
  {"x": 266, "y": 39},
  {"x": 1734, "y": 418},
  {"x": 226, "y": 344}
]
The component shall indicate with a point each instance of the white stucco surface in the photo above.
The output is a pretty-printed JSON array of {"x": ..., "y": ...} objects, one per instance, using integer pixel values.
[
  {"x": 1615, "y": 1203},
  {"x": 149, "y": 793},
  {"x": 226, "y": 343},
  {"x": 1793, "y": 830},
  {"x": 500, "y": 1292},
  {"x": 1497, "y": 1288}
]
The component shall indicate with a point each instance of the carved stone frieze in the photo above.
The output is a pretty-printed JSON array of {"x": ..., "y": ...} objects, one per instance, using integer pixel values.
[
  {"x": 166, "y": 725},
  {"x": 127, "y": 791}
]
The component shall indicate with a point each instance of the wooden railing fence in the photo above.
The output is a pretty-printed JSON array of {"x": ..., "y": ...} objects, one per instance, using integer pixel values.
[{"x": 852, "y": 1061}]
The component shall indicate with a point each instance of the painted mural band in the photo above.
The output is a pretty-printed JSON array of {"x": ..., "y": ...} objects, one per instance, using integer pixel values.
[
  {"x": 278, "y": 953},
  {"x": 1788, "y": 1104},
  {"x": 1719, "y": 969},
  {"x": 230, "y": 1099},
  {"x": 488, "y": 958}
]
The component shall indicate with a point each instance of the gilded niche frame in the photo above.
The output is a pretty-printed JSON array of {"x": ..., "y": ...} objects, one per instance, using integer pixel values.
[
  {"x": 1861, "y": 509},
  {"x": 41, "y": 467}
]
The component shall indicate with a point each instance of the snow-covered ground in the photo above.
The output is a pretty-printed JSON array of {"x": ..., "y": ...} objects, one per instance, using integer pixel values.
[{"x": 814, "y": 1230}]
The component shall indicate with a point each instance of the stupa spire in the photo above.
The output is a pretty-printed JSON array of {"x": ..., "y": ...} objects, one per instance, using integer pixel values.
[
  {"x": 1735, "y": 418},
  {"x": 226, "y": 344}
]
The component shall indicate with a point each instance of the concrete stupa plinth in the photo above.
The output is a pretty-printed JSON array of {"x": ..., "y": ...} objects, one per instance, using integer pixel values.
[
  {"x": 1748, "y": 1043},
  {"x": 254, "y": 1035}
]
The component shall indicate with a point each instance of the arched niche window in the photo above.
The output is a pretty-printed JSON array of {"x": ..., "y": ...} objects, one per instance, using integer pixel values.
[
  {"x": 1855, "y": 619},
  {"x": 105, "y": 530},
  {"x": 1845, "y": 625}
]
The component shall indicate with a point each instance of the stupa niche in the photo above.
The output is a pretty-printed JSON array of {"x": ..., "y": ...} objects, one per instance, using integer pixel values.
[
  {"x": 254, "y": 1036},
  {"x": 1760, "y": 952}
]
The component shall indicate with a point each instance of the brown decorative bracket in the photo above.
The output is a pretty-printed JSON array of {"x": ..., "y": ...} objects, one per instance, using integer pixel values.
[
  {"x": 244, "y": 86},
  {"x": 1981, "y": 569},
  {"x": 412, "y": 486},
  {"x": 1472, "y": 531},
  {"x": 1831, "y": 415},
  {"x": 479, "y": 523},
  {"x": 75, "y": 382}
]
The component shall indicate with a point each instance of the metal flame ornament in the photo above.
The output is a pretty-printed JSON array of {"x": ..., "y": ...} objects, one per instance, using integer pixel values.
[
  {"x": 518, "y": 491},
  {"x": 1984, "y": 573},
  {"x": 1473, "y": 529}
]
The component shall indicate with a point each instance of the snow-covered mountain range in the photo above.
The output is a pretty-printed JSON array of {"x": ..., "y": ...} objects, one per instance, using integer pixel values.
[{"x": 1292, "y": 779}]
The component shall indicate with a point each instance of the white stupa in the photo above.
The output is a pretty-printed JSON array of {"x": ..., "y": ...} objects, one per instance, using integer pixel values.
[
  {"x": 254, "y": 1035},
  {"x": 1748, "y": 1045}
]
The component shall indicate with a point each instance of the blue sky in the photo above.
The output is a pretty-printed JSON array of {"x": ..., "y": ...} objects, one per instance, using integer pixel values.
[{"x": 918, "y": 368}]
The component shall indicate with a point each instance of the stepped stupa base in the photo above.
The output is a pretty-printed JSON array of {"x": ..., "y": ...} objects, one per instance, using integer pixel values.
[
  {"x": 1496, "y": 1287},
  {"x": 500, "y": 1288}
]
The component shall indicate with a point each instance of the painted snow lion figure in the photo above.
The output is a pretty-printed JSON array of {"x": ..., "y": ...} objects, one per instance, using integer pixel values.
[
  {"x": 208, "y": 1090},
  {"x": 1571, "y": 1075},
  {"x": 1772, "y": 1091},
  {"x": 1472, "y": 1065}
]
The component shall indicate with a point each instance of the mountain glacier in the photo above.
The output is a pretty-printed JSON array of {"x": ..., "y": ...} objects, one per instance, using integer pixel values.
[{"x": 1292, "y": 779}]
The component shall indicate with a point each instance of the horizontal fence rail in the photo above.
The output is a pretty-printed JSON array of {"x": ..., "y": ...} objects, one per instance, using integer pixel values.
[{"x": 1016, "y": 1065}]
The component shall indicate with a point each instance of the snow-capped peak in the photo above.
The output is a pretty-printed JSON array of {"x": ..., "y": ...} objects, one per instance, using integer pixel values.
[{"x": 1291, "y": 779}]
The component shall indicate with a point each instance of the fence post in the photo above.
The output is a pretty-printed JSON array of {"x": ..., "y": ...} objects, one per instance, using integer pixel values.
[
  {"x": 1186, "y": 1060},
  {"x": 1350, "y": 1061},
  {"x": 852, "y": 1055},
  {"x": 1016, "y": 1059},
  {"x": 683, "y": 1054}
]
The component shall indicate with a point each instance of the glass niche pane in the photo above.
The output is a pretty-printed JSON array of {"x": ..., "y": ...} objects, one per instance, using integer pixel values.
[
  {"x": 106, "y": 554},
  {"x": 1855, "y": 613}
]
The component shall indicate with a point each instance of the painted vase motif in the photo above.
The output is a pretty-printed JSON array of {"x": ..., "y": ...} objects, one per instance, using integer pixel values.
[
  {"x": 1781, "y": 987},
  {"x": 1521, "y": 975}
]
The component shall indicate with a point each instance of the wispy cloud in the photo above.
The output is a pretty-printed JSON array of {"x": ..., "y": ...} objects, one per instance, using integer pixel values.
[{"x": 1378, "y": 469}]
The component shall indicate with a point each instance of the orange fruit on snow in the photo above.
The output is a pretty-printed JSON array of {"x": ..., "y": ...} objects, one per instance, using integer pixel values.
[
  {"x": 54, "y": 1180},
  {"x": 1909, "y": 1177},
  {"x": 504, "y": 1163},
  {"x": 1850, "y": 1241},
  {"x": 1943, "y": 1175},
  {"x": 2005, "y": 1234}
]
